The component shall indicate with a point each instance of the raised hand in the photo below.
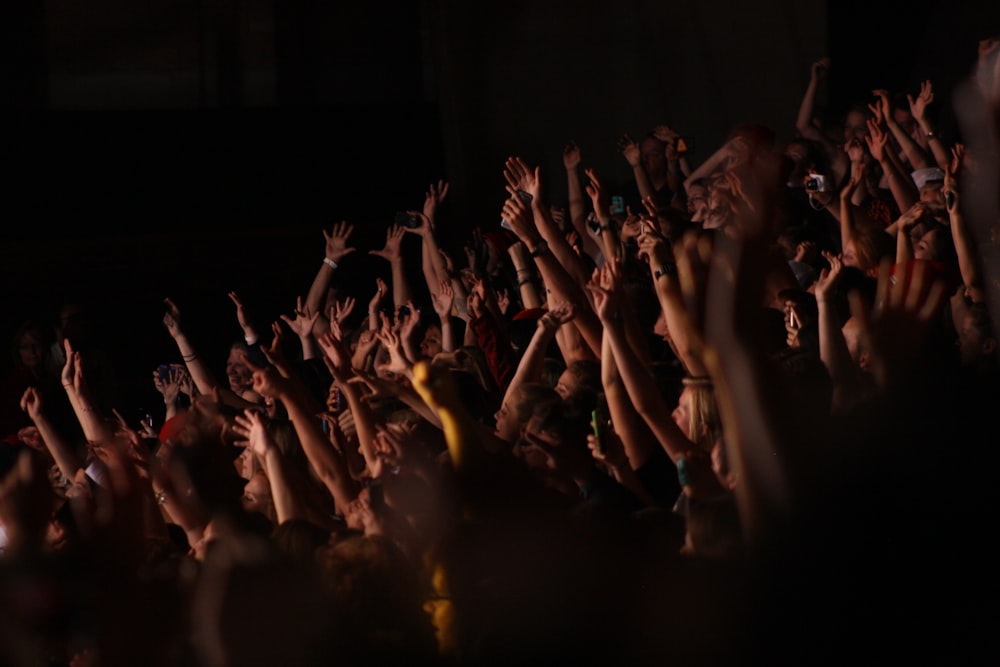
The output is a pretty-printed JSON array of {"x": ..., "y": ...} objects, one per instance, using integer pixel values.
[
  {"x": 516, "y": 212},
  {"x": 604, "y": 286},
  {"x": 393, "y": 241},
  {"x": 341, "y": 310},
  {"x": 241, "y": 313},
  {"x": 522, "y": 177},
  {"x": 305, "y": 319},
  {"x": 436, "y": 194},
  {"x": 826, "y": 284},
  {"x": 443, "y": 300},
  {"x": 337, "y": 353},
  {"x": 557, "y": 316},
  {"x": 172, "y": 318},
  {"x": 595, "y": 190},
  {"x": 629, "y": 148},
  {"x": 877, "y": 139},
  {"x": 918, "y": 105},
  {"x": 820, "y": 68},
  {"x": 252, "y": 427},
  {"x": 571, "y": 156},
  {"x": 275, "y": 353},
  {"x": 337, "y": 241}
]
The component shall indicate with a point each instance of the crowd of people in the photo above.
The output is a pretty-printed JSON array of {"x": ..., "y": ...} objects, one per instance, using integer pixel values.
[{"x": 744, "y": 414}]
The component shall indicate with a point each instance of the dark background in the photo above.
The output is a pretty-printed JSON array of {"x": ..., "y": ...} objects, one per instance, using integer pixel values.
[{"x": 187, "y": 148}]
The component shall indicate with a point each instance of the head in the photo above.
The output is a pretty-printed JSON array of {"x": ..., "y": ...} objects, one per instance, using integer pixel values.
[
  {"x": 257, "y": 496},
  {"x": 930, "y": 183},
  {"x": 852, "y": 336},
  {"x": 936, "y": 244},
  {"x": 430, "y": 344},
  {"x": 514, "y": 412},
  {"x": 697, "y": 413},
  {"x": 697, "y": 200},
  {"x": 30, "y": 346},
  {"x": 652, "y": 153},
  {"x": 856, "y": 122},
  {"x": 977, "y": 344},
  {"x": 237, "y": 372},
  {"x": 581, "y": 377},
  {"x": 867, "y": 247}
]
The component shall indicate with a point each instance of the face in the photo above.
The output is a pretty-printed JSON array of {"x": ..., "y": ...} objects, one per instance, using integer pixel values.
[
  {"x": 507, "y": 426},
  {"x": 239, "y": 374},
  {"x": 932, "y": 194},
  {"x": 852, "y": 337},
  {"x": 653, "y": 156},
  {"x": 926, "y": 247},
  {"x": 697, "y": 202},
  {"x": 855, "y": 126},
  {"x": 566, "y": 384},
  {"x": 850, "y": 257},
  {"x": 430, "y": 345},
  {"x": 682, "y": 413},
  {"x": 29, "y": 350},
  {"x": 257, "y": 494},
  {"x": 970, "y": 340}
]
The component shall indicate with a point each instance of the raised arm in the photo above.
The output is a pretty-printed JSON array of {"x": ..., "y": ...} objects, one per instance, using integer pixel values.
[
  {"x": 392, "y": 253},
  {"x": 918, "y": 107},
  {"x": 59, "y": 448},
  {"x": 913, "y": 152},
  {"x": 330, "y": 467},
  {"x": 900, "y": 184},
  {"x": 336, "y": 248},
  {"x": 555, "y": 276},
  {"x": 578, "y": 204},
  {"x": 288, "y": 502},
  {"x": 804, "y": 121},
  {"x": 965, "y": 245}
]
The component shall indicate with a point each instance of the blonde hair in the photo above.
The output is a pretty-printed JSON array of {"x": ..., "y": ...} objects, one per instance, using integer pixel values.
[{"x": 705, "y": 424}]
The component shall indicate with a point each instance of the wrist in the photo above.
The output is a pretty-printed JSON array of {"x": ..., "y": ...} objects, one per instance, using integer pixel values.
[{"x": 329, "y": 262}]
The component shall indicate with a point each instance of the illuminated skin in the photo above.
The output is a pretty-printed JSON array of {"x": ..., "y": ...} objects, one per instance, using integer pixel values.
[
  {"x": 697, "y": 202},
  {"x": 430, "y": 345},
  {"x": 29, "y": 350},
  {"x": 238, "y": 373},
  {"x": 682, "y": 413},
  {"x": 257, "y": 494},
  {"x": 507, "y": 426},
  {"x": 855, "y": 126}
]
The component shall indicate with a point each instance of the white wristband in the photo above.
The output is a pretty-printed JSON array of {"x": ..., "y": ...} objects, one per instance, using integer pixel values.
[{"x": 329, "y": 262}]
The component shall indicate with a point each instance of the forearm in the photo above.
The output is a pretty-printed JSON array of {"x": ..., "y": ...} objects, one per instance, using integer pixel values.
[
  {"x": 447, "y": 334},
  {"x": 941, "y": 153},
  {"x": 642, "y": 181},
  {"x": 832, "y": 347},
  {"x": 645, "y": 396},
  {"x": 904, "y": 252},
  {"x": 965, "y": 249},
  {"x": 287, "y": 502},
  {"x": 914, "y": 154},
  {"x": 562, "y": 285},
  {"x": 901, "y": 186},
  {"x": 628, "y": 424},
  {"x": 529, "y": 368},
  {"x": 328, "y": 464},
  {"x": 560, "y": 248},
  {"x": 317, "y": 290},
  {"x": 200, "y": 374},
  {"x": 400, "y": 286},
  {"x": 803, "y": 122},
  {"x": 364, "y": 421}
]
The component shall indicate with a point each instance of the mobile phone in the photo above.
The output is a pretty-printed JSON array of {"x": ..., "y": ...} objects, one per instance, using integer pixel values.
[
  {"x": 163, "y": 372},
  {"x": 682, "y": 145},
  {"x": 526, "y": 197},
  {"x": 949, "y": 200},
  {"x": 617, "y": 205},
  {"x": 404, "y": 219},
  {"x": 816, "y": 183},
  {"x": 600, "y": 421}
]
